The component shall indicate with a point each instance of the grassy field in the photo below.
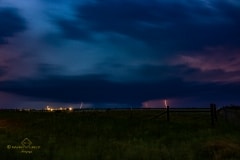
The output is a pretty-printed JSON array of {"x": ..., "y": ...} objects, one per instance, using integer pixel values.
[{"x": 117, "y": 135}]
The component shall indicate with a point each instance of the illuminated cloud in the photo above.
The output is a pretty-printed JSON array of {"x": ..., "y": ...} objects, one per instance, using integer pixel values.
[{"x": 212, "y": 64}]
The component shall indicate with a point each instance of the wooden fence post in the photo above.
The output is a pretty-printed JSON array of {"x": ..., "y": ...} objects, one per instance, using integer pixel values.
[
  {"x": 213, "y": 114},
  {"x": 225, "y": 113},
  {"x": 168, "y": 114}
]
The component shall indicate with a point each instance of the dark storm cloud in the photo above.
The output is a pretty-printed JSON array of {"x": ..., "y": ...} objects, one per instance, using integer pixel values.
[
  {"x": 44, "y": 69},
  {"x": 200, "y": 71},
  {"x": 214, "y": 75},
  {"x": 97, "y": 89},
  {"x": 231, "y": 10},
  {"x": 10, "y": 23},
  {"x": 73, "y": 30},
  {"x": 82, "y": 88},
  {"x": 3, "y": 71},
  {"x": 156, "y": 72},
  {"x": 166, "y": 25}
]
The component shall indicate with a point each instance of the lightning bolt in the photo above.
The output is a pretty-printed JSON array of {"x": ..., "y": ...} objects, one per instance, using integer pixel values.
[{"x": 165, "y": 103}]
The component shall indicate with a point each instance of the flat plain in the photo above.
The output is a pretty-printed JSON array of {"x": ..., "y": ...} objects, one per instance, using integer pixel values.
[{"x": 117, "y": 135}]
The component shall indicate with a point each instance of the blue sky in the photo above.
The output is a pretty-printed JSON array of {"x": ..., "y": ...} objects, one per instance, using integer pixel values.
[{"x": 120, "y": 52}]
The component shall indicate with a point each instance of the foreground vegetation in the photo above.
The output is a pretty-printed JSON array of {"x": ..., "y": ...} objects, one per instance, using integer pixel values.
[{"x": 118, "y": 135}]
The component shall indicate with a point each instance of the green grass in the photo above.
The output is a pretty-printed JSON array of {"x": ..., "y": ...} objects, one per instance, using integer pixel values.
[{"x": 118, "y": 135}]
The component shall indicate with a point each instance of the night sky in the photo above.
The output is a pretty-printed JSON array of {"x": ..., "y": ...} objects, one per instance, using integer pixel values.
[{"x": 119, "y": 53}]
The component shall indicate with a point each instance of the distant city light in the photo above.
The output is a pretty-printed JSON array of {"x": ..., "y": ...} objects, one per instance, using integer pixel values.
[{"x": 50, "y": 108}]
